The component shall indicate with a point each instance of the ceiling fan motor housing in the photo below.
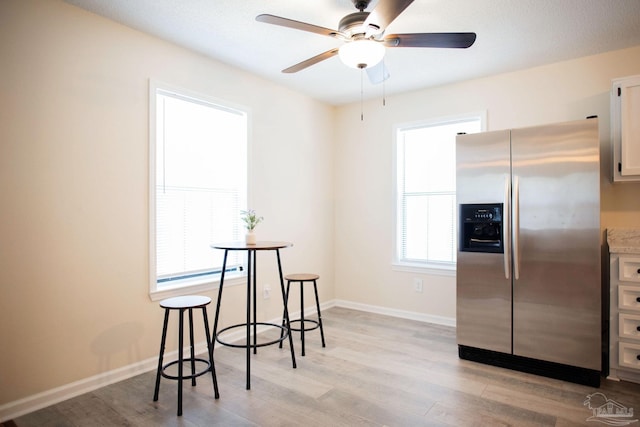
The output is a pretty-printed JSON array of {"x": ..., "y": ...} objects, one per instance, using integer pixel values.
[{"x": 352, "y": 23}]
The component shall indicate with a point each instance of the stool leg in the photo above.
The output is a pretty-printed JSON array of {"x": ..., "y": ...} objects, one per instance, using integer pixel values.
[
  {"x": 210, "y": 345},
  {"x": 217, "y": 314},
  {"x": 286, "y": 311},
  {"x": 180, "y": 359},
  {"x": 286, "y": 301},
  {"x": 193, "y": 352},
  {"x": 302, "y": 314},
  {"x": 315, "y": 289},
  {"x": 255, "y": 304},
  {"x": 248, "y": 349},
  {"x": 162, "y": 343}
]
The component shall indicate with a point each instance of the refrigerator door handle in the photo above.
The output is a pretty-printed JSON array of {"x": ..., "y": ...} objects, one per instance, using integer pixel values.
[
  {"x": 516, "y": 227},
  {"x": 505, "y": 227}
]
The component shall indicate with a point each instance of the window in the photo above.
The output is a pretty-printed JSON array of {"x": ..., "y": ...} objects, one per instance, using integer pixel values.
[
  {"x": 425, "y": 172},
  {"x": 198, "y": 185}
]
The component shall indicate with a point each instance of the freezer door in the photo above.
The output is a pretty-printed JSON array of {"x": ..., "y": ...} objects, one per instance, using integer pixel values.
[
  {"x": 483, "y": 285},
  {"x": 556, "y": 243}
]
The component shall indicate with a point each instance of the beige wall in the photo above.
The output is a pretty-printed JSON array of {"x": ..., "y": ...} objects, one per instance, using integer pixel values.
[
  {"x": 74, "y": 278},
  {"x": 558, "y": 92}
]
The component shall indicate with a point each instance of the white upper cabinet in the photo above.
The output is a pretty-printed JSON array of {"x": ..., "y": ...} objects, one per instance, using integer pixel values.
[{"x": 625, "y": 128}]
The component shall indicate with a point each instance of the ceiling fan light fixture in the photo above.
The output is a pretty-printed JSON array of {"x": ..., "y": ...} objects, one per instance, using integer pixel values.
[{"x": 361, "y": 53}]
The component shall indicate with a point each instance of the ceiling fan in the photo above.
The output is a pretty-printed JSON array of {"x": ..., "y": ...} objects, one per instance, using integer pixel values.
[{"x": 363, "y": 34}]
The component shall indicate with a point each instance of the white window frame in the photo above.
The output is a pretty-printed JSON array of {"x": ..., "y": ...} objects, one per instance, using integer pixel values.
[
  {"x": 398, "y": 264},
  {"x": 198, "y": 284}
]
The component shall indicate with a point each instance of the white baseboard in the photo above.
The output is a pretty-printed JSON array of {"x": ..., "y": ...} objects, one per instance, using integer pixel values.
[
  {"x": 403, "y": 314},
  {"x": 46, "y": 398}
]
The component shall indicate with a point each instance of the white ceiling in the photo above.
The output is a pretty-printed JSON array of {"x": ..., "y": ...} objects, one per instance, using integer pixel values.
[{"x": 512, "y": 35}]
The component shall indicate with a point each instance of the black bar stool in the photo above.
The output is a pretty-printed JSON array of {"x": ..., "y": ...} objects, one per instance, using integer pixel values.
[
  {"x": 314, "y": 324},
  {"x": 183, "y": 303}
]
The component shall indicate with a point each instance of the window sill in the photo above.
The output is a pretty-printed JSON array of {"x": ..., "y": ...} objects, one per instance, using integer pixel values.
[
  {"x": 433, "y": 269},
  {"x": 191, "y": 287}
]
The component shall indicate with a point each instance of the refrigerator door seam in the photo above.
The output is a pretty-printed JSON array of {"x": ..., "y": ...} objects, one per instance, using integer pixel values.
[
  {"x": 516, "y": 227},
  {"x": 505, "y": 227}
]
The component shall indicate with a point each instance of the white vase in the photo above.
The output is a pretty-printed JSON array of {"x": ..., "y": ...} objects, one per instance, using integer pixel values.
[{"x": 250, "y": 238}]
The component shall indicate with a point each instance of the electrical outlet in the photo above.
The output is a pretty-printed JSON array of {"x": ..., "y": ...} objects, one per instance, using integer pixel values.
[
  {"x": 417, "y": 284},
  {"x": 266, "y": 291}
]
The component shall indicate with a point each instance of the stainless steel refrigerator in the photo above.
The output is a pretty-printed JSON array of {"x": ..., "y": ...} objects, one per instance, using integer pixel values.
[{"x": 528, "y": 264}]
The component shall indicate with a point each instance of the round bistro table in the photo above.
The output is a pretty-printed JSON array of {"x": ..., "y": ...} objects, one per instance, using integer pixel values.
[{"x": 252, "y": 322}]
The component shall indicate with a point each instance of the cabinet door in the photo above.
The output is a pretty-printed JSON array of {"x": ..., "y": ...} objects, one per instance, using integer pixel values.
[
  {"x": 629, "y": 355},
  {"x": 629, "y": 326},
  {"x": 626, "y": 128},
  {"x": 630, "y": 108},
  {"x": 629, "y": 269},
  {"x": 629, "y": 298}
]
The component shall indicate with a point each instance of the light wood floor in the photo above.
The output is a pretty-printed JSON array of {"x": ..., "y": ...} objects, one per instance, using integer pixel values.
[{"x": 375, "y": 371}]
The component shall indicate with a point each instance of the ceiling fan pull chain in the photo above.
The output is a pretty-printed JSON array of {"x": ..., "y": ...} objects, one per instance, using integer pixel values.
[
  {"x": 384, "y": 85},
  {"x": 361, "y": 94}
]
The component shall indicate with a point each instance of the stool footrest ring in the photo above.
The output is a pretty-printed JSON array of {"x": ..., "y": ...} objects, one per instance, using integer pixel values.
[
  {"x": 285, "y": 334},
  {"x": 315, "y": 323},
  {"x": 186, "y": 377}
]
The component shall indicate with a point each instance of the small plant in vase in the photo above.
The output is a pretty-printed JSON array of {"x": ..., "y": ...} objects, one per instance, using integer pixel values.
[{"x": 251, "y": 220}]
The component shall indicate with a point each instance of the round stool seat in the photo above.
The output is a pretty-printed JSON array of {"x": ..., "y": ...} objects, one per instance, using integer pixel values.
[
  {"x": 301, "y": 277},
  {"x": 187, "y": 301}
]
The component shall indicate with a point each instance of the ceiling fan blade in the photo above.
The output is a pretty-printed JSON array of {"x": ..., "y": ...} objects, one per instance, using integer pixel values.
[
  {"x": 311, "y": 61},
  {"x": 290, "y": 23},
  {"x": 383, "y": 14},
  {"x": 378, "y": 73},
  {"x": 446, "y": 40}
]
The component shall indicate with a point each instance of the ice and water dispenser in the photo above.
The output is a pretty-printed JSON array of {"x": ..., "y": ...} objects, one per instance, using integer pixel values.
[{"x": 481, "y": 228}]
